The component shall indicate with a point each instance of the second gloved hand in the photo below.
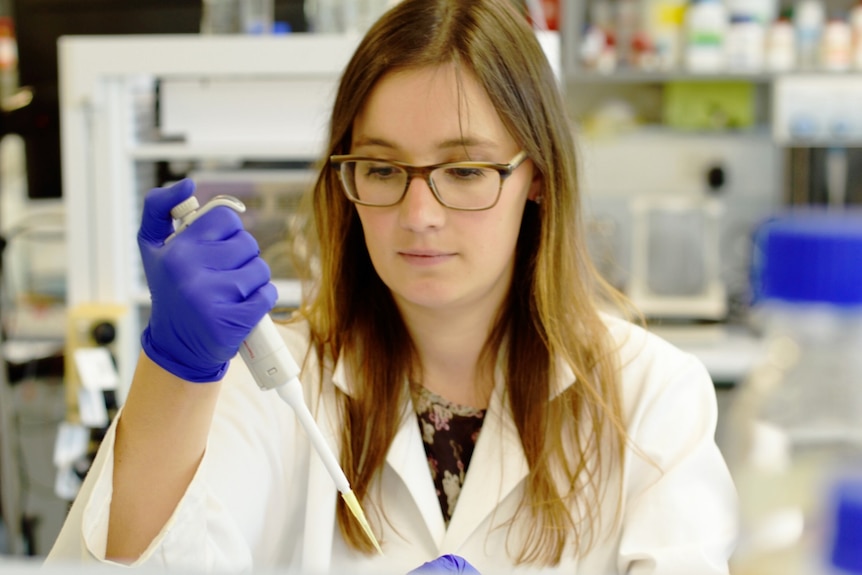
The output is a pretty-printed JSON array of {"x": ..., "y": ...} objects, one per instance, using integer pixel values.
[
  {"x": 445, "y": 564},
  {"x": 209, "y": 286}
]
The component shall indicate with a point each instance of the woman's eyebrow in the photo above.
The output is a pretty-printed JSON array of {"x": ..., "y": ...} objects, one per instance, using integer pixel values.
[
  {"x": 371, "y": 141},
  {"x": 454, "y": 143},
  {"x": 468, "y": 142}
]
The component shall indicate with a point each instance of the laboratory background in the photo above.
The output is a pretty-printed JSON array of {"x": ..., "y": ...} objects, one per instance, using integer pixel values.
[{"x": 720, "y": 167}]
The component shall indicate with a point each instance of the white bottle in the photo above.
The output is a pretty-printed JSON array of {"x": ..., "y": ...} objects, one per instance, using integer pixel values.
[
  {"x": 781, "y": 46},
  {"x": 706, "y": 23},
  {"x": 8, "y": 58},
  {"x": 664, "y": 29},
  {"x": 836, "y": 50},
  {"x": 763, "y": 11},
  {"x": 809, "y": 18},
  {"x": 628, "y": 24},
  {"x": 855, "y": 19},
  {"x": 745, "y": 44},
  {"x": 256, "y": 16}
]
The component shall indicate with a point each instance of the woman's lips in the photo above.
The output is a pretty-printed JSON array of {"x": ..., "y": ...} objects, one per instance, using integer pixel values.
[{"x": 425, "y": 257}]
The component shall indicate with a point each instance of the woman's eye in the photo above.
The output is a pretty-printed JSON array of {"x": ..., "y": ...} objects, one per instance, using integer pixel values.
[
  {"x": 381, "y": 171},
  {"x": 460, "y": 173}
]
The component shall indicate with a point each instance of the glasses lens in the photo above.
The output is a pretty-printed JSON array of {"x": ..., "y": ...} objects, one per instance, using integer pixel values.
[
  {"x": 373, "y": 183},
  {"x": 467, "y": 187},
  {"x": 459, "y": 186}
]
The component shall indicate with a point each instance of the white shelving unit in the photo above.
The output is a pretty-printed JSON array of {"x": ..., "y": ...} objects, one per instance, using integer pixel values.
[
  {"x": 833, "y": 87},
  {"x": 105, "y": 82}
]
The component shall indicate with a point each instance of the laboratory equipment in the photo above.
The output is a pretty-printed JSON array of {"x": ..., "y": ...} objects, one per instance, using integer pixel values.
[
  {"x": 273, "y": 367},
  {"x": 675, "y": 257},
  {"x": 797, "y": 422}
]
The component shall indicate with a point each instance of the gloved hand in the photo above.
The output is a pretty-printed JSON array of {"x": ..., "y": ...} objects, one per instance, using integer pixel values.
[
  {"x": 209, "y": 286},
  {"x": 445, "y": 564}
]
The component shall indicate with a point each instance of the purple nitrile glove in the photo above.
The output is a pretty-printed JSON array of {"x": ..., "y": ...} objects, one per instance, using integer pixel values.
[
  {"x": 208, "y": 285},
  {"x": 445, "y": 564}
]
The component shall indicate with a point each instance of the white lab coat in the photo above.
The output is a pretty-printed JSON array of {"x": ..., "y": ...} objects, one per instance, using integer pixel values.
[{"x": 261, "y": 500}]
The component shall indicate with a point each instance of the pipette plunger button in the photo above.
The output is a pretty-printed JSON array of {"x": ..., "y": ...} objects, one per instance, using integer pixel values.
[{"x": 184, "y": 208}]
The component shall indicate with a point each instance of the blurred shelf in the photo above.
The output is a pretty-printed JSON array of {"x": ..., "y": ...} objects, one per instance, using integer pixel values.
[
  {"x": 167, "y": 151},
  {"x": 821, "y": 143},
  {"x": 582, "y": 76},
  {"x": 653, "y": 131},
  {"x": 586, "y": 76}
]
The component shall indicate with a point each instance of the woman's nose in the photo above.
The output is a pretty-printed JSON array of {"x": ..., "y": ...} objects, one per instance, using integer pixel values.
[{"x": 420, "y": 208}]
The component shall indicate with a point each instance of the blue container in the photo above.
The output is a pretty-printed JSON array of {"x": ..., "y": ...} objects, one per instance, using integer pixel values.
[
  {"x": 846, "y": 552},
  {"x": 809, "y": 256}
]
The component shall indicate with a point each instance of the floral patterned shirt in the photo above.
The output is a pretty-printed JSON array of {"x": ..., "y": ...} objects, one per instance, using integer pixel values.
[{"x": 449, "y": 433}]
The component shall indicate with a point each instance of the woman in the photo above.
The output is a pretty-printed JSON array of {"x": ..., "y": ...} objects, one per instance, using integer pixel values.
[{"x": 454, "y": 349}]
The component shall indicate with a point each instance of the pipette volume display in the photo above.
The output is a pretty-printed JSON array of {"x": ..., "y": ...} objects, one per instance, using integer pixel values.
[{"x": 273, "y": 367}]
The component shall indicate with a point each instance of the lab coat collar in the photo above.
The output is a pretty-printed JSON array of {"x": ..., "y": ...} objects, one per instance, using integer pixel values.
[
  {"x": 496, "y": 469},
  {"x": 565, "y": 378},
  {"x": 339, "y": 376},
  {"x": 498, "y": 454},
  {"x": 499, "y": 463},
  {"x": 406, "y": 457}
]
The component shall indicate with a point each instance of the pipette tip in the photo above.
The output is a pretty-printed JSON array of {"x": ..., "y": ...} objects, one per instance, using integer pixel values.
[{"x": 353, "y": 504}]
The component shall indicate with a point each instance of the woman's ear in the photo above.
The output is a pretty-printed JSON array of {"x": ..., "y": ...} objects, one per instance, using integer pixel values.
[{"x": 536, "y": 187}]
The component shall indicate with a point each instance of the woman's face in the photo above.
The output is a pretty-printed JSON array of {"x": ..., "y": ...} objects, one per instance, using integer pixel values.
[{"x": 431, "y": 256}]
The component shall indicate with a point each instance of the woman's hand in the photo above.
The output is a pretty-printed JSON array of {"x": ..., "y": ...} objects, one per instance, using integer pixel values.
[
  {"x": 445, "y": 564},
  {"x": 209, "y": 286}
]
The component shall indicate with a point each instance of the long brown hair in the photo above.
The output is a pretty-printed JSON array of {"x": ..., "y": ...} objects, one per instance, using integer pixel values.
[{"x": 552, "y": 307}]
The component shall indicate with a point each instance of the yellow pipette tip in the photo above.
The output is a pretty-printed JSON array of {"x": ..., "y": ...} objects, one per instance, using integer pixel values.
[{"x": 353, "y": 505}]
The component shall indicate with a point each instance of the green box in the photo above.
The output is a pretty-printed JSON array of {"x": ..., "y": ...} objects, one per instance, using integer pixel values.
[{"x": 709, "y": 105}]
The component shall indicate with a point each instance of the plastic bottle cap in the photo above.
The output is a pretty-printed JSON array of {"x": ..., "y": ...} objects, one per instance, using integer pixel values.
[
  {"x": 809, "y": 256},
  {"x": 847, "y": 539}
]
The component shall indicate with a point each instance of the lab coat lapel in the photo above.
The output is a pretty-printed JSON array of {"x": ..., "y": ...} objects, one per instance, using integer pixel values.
[
  {"x": 498, "y": 465},
  {"x": 407, "y": 458}
]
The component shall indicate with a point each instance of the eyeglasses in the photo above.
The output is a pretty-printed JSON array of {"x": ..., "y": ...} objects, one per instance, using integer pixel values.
[{"x": 470, "y": 186}]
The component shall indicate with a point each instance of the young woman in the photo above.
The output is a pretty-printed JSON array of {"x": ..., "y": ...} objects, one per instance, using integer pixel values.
[{"x": 454, "y": 344}]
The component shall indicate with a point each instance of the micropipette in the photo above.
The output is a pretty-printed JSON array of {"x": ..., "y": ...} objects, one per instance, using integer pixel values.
[{"x": 273, "y": 367}]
